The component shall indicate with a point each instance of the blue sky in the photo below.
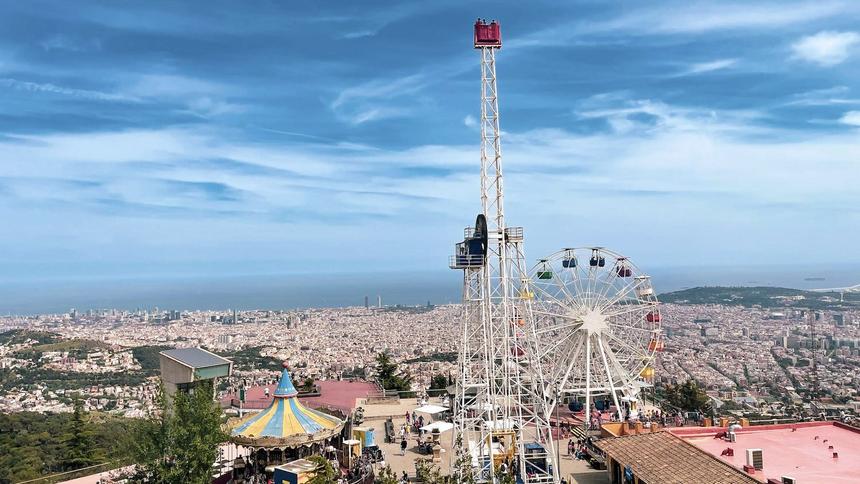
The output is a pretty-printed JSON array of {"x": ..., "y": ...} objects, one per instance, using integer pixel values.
[{"x": 194, "y": 138}]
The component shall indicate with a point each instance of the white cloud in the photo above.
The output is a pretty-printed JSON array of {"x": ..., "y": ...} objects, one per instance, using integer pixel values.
[
  {"x": 851, "y": 117},
  {"x": 716, "y": 65},
  {"x": 626, "y": 115},
  {"x": 469, "y": 121},
  {"x": 200, "y": 97},
  {"x": 826, "y": 48},
  {"x": 683, "y": 155}
]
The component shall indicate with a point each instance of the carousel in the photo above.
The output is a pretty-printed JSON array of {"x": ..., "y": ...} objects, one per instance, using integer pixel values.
[{"x": 283, "y": 432}]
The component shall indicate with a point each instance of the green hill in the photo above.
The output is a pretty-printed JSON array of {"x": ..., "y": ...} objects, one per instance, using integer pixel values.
[{"x": 766, "y": 297}]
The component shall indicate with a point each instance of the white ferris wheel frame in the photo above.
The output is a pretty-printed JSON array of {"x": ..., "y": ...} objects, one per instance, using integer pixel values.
[{"x": 600, "y": 326}]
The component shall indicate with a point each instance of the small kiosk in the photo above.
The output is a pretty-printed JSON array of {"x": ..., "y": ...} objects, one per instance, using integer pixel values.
[{"x": 296, "y": 472}]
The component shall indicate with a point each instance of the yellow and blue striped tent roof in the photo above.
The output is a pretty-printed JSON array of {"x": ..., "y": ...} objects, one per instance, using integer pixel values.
[{"x": 286, "y": 417}]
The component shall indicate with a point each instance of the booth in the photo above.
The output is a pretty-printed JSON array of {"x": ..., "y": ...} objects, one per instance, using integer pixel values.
[
  {"x": 365, "y": 435},
  {"x": 296, "y": 472},
  {"x": 351, "y": 452}
]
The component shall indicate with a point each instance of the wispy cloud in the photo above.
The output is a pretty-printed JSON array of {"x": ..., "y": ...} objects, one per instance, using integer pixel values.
[
  {"x": 680, "y": 18},
  {"x": 711, "y": 66},
  {"x": 372, "y": 100},
  {"x": 625, "y": 115},
  {"x": 49, "y": 88},
  {"x": 826, "y": 48},
  {"x": 66, "y": 43},
  {"x": 686, "y": 17},
  {"x": 832, "y": 96}
]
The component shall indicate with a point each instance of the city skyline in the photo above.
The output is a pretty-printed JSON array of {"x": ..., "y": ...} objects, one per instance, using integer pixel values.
[{"x": 149, "y": 141}]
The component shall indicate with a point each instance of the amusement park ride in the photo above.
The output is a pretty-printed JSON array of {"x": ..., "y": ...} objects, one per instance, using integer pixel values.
[{"x": 581, "y": 324}]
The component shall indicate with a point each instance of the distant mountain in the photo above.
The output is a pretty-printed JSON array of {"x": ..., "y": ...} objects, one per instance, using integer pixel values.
[{"x": 766, "y": 297}]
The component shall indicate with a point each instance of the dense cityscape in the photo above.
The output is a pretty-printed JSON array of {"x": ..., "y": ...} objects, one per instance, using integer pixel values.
[{"x": 748, "y": 357}]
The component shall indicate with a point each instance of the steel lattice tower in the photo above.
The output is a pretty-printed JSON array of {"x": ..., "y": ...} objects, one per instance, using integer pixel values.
[{"x": 501, "y": 408}]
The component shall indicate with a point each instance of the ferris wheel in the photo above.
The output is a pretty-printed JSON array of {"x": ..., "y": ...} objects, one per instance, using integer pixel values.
[{"x": 599, "y": 324}]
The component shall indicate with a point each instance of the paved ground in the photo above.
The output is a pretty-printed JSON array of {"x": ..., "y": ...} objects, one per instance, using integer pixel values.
[{"x": 576, "y": 471}]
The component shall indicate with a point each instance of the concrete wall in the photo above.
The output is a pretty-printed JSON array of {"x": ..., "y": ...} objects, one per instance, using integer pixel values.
[{"x": 174, "y": 372}]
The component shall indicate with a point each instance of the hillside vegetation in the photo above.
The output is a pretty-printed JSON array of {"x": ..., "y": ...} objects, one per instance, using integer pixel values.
[{"x": 766, "y": 297}]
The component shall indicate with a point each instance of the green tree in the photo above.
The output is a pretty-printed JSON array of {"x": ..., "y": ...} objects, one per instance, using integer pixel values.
[
  {"x": 80, "y": 451},
  {"x": 180, "y": 443},
  {"x": 439, "y": 381},
  {"x": 688, "y": 396},
  {"x": 463, "y": 463},
  {"x": 426, "y": 471},
  {"x": 389, "y": 376},
  {"x": 325, "y": 473},
  {"x": 386, "y": 476},
  {"x": 307, "y": 385}
]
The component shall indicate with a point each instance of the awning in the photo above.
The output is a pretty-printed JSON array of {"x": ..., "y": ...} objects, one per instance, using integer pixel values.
[
  {"x": 431, "y": 409},
  {"x": 438, "y": 426}
]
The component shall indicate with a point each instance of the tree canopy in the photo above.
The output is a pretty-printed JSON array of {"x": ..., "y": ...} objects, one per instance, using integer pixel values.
[
  {"x": 325, "y": 473},
  {"x": 180, "y": 444},
  {"x": 388, "y": 375},
  {"x": 688, "y": 396},
  {"x": 39, "y": 444}
]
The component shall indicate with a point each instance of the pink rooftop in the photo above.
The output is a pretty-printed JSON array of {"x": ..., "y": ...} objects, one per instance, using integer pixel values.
[
  {"x": 340, "y": 395},
  {"x": 796, "y": 454}
]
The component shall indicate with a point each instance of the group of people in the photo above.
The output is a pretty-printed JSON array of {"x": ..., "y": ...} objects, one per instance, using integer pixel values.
[
  {"x": 415, "y": 422},
  {"x": 248, "y": 470},
  {"x": 579, "y": 448},
  {"x": 360, "y": 472}
]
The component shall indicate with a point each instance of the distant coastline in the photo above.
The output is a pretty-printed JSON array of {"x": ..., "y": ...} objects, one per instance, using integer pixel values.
[{"x": 293, "y": 291}]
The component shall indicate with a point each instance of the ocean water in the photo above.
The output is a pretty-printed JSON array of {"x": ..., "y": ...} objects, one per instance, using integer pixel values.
[{"x": 334, "y": 290}]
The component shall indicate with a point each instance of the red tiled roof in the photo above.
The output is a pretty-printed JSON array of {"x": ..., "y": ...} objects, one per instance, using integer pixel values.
[{"x": 661, "y": 457}]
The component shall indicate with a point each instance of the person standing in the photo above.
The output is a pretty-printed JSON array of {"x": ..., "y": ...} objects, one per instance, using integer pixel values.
[{"x": 403, "y": 447}]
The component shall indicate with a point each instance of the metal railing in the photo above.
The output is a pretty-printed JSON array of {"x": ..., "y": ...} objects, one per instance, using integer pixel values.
[
  {"x": 462, "y": 261},
  {"x": 514, "y": 233}
]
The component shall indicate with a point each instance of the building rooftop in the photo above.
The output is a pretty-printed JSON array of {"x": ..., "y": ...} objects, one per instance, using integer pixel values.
[
  {"x": 195, "y": 357},
  {"x": 334, "y": 394},
  {"x": 798, "y": 450},
  {"x": 665, "y": 458}
]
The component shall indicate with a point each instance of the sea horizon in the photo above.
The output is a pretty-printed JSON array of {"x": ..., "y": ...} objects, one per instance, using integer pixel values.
[{"x": 314, "y": 290}]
